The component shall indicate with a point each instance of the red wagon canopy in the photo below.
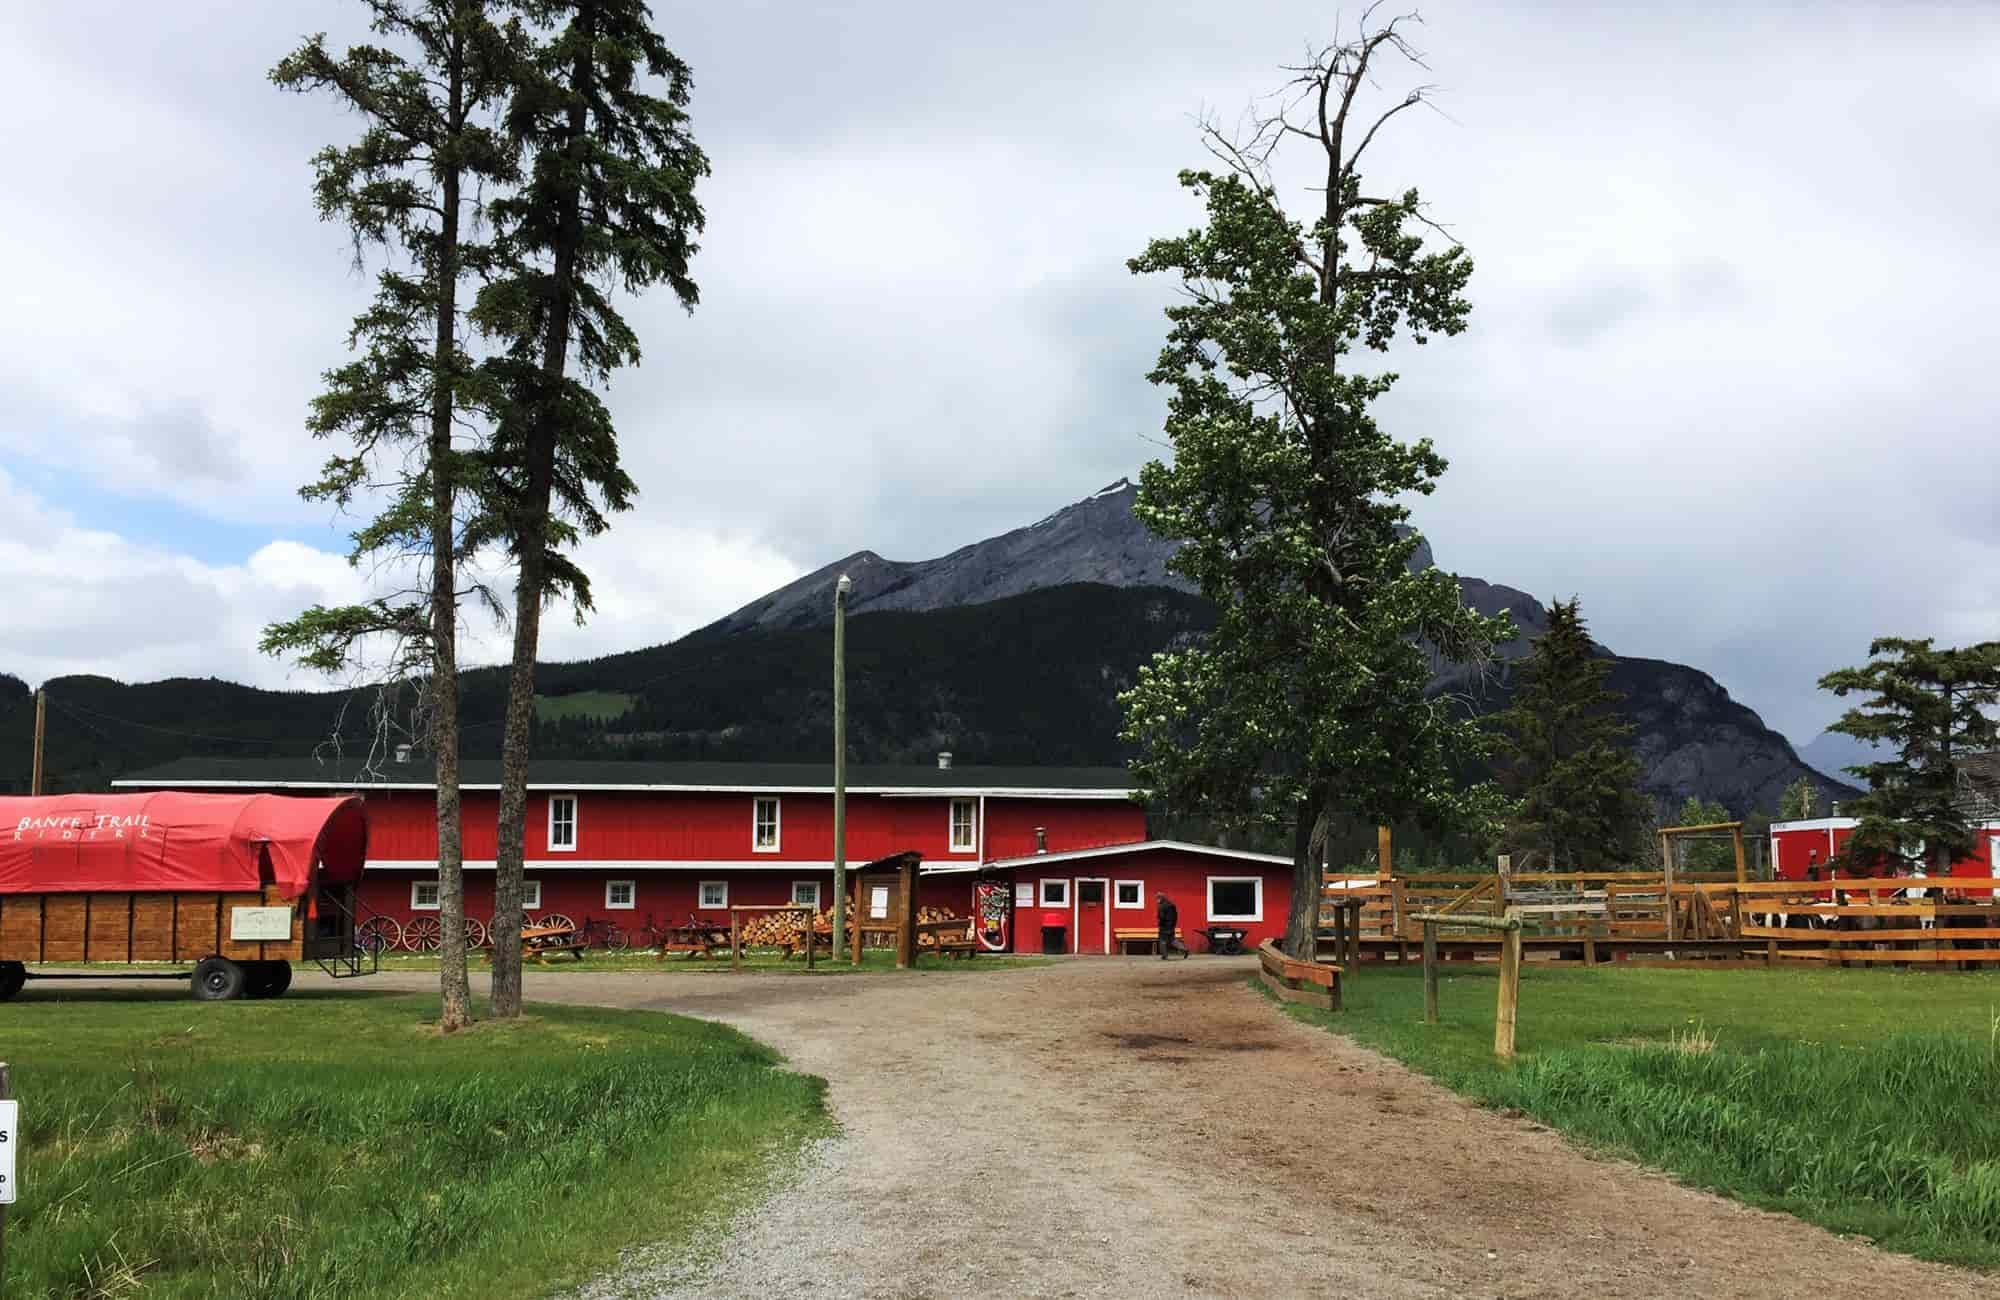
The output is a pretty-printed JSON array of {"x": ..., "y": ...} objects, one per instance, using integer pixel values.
[{"x": 79, "y": 843}]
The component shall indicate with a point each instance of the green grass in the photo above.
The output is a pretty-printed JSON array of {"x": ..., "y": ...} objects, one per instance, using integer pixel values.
[
  {"x": 598, "y": 705},
  {"x": 1865, "y": 1101},
  {"x": 332, "y": 1143},
  {"x": 876, "y": 961}
]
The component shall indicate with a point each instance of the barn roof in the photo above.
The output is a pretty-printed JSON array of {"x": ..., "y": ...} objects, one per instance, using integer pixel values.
[
  {"x": 1979, "y": 784},
  {"x": 1142, "y": 846},
  {"x": 557, "y": 774}
]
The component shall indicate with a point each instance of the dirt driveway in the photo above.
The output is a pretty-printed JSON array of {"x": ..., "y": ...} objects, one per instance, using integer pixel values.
[{"x": 1128, "y": 1128}]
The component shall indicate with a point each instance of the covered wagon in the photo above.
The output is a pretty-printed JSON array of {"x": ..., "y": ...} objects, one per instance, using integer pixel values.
[{"x": 238, "y": 886}]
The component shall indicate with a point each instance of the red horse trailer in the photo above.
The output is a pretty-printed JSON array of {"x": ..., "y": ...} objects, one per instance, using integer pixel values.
[{"x": 239, "y": 885}]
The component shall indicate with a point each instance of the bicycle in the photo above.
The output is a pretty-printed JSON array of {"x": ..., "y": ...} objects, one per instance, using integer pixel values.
[{"x": 595, "y": 933}]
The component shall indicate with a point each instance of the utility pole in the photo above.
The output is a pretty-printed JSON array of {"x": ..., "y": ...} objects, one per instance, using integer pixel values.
[
  {"x": 41, "y": 714},
  {"x": 840, "y": 590}
]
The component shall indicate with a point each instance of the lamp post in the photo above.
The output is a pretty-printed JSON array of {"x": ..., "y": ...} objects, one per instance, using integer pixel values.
[{"x": 840, "y": 590}]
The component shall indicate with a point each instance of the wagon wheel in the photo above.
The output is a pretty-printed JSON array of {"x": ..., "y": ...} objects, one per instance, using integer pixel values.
[
  {"x": 556, "y": 920},
  {"x": 475, "y": 932},
  {"x": 378, "y": 934},
  {"x": 423, "y": 934}
]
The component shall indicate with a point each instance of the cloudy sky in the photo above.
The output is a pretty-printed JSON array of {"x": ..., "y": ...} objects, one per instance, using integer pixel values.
[{"x": 1732, "y": 375}]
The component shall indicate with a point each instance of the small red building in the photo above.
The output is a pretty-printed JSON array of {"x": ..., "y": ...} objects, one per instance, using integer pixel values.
[
  {"x": 637, "y": 841},
  {"x": 1800, "y": 847}
]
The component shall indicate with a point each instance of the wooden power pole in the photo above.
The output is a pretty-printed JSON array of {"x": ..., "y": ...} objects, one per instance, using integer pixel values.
[
  {"x": 41, "y": 716},
  {"x": 840, "y": 590}
]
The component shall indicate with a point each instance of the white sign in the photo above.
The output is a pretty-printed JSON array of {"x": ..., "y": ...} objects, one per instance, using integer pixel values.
[
  {"x": 878, "y": 902},
  {"x": 260, "y": 924},
  {"x": 10, "y": 1140},
  {"x": 1024, "y": 894}
]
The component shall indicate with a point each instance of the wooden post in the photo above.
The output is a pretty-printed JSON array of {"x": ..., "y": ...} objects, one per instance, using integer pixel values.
[
  {"x": 1667, "y": 881},
  {"x": 812, "y": 934},
  {"x": 1430, "y": 972},
  {"x": 735, "y": 939},
  {"x": 906, "y": 928},
  {"x": 1383, "y": 857},
  {"x": 1353, "y": 961},
  {"x": 1510, "y": 994},
  {"x": 41, "y": 715},
  {"x": 1589, "y": 951},
  {"x": 1737, "y": 836},
  {"x": 860, "y": 883}
]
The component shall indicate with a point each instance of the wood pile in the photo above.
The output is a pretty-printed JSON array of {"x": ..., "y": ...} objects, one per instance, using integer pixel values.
[
  {"x": 926, "y": 915},
  {"x": 781, "y": 929}
]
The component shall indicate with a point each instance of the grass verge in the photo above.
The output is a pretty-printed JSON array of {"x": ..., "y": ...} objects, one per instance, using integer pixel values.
[
  {"x": 874, "y": 962},
  {"x": 1867, "y": 1102},
  {"x": 333, "y": 1143}
]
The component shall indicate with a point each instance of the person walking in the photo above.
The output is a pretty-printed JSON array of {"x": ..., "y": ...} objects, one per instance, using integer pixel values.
[{"x": 1169, "y": 922}]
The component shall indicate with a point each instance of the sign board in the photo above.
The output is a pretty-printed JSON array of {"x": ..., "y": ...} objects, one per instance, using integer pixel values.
[
  {"x": 10, "y": 1142},
  {"x": 878, "y": 902},
  {"x": 260, "y": 924},
  {"x": 1024, "y": 894}
]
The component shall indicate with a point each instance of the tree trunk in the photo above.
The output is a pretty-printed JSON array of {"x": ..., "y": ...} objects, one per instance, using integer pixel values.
[
  {"x": 531, "y": 552},
  {"x": 1302, "y": 921},
  {"x": 456, "y": 1011}
]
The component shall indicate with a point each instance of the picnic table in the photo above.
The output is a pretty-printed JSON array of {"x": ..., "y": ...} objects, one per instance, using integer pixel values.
[
  {"x": 1226, "y": 940},
  {"x": 539, "y": 941},
  {"x": 697, "y": 938}
]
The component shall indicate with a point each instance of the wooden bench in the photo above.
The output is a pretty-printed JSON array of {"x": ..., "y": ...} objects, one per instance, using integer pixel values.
[
  {"x": 1126, "y": 936},
  {"x": 951, "y": 938},
  {"x": 1315, "y": 983}
]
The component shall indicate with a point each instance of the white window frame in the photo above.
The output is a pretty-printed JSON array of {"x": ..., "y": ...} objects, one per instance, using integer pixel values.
[
  {"x": 631, "y": 899},
  {"x": 1138, "y": 903},
  {"x": 1208, "y": 898},
  {"x": 814, "y": 885},
  {"x": 575, "y": 823},
  {"x": 701, "y": 895},
  {"x": 970, "y": 844},
  {"x": 531, "y": 895},
  {"x": 777, "y": 823},
  {"x": 1042, "y": 892},
  {"x": 437, "y": 895}
]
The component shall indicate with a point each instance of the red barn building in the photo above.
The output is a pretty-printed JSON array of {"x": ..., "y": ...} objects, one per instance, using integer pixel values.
[{"x": 629, "y": 841}]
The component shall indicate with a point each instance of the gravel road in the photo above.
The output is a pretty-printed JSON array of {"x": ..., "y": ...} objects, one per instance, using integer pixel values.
[{"x": 1111, "y": 1127}]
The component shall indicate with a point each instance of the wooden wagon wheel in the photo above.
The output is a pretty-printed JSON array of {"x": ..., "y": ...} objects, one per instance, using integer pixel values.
[
  {"x": 555, "y": 920},
  {"x": 423, "y": 934},
  {"x": 378, "y": 934},
  {"x": 475, "y": 932}
]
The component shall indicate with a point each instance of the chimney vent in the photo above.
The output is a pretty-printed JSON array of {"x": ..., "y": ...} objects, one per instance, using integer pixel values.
[
  {"x": 944, "y": 758},
  {"x": 1041, "y": 839},
  {"x": 1836, "y": 807},
  {"x": 402, "y": 753}
]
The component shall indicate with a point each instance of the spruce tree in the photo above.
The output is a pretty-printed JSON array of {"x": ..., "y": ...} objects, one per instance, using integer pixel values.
[
  {"x": 607, "y": 205},
  {"x": 1929, "y": 707},
  {"x": 409, "y": 188},
  {"x": 1566, "y": 755}
]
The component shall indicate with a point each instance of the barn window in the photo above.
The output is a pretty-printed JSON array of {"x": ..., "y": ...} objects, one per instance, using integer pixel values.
[
  {"x": 424, "y": 896},
  {"x": 1129, "y": 893},
  {"x": 621, "y": 893},
  {"x": 964, "y": 826},
  {"x": 531, "y": 896},
  {"x": 714, "y": 893},
  {"x": 764, "y": 826},
  {"x": 1055, "y": 893},
  {"x": 805, "y": 893},
  {"x": 562, "y": 823},
  {"x": 1235, "y": 898}
]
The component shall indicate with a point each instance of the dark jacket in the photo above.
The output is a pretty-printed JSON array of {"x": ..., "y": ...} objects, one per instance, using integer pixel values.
[{"x": 1169, "y": 914}]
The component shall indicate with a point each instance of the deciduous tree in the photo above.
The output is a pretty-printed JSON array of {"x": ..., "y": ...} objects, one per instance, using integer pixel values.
[
  {"x": 1567, "y": 755},
  {"x": 1310, "y": 703},
  {"x": 607, "y": 205},
  {"x": 410, "y": 186},
  {"x": 1929, "y": 707}
]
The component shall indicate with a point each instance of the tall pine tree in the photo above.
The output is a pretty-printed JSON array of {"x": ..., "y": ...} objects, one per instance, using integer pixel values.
[
  {"x": 608, "y": 205},
  {"x": 408, "y": 186},
  {"x": 1566, "y": 755},
  {"x": 1929, "y": 707}
]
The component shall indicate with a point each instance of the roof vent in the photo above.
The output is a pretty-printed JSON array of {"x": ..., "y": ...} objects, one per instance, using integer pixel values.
[
  {"x": 1041, "y": 839},
  {"x": 402, "y": 753},
  {"x": 944, "y": 758},
  {"x": 1836, "y": 807}
]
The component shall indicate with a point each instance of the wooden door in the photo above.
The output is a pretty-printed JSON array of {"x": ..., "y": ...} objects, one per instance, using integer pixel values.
[{"x": 1093, "y": 917}]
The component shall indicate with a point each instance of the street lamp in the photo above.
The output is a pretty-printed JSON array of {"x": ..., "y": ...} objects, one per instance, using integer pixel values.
[{"x": 840, "y": 590}]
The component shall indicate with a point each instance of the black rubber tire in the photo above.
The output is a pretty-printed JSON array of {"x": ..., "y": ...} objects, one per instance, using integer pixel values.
[
  {"x": 279, "y": 980},
  {"x": 12, "y": 976},
  {"x": 217, "y": 979}
]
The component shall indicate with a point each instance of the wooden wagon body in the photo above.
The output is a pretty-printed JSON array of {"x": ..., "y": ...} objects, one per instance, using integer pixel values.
[{"x": 238, "y": 886}]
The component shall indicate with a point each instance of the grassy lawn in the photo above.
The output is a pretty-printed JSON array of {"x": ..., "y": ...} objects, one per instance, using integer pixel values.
[
  {"x": 583, "y": 704},
  {"x": 333, "y": 1143},
  {"x": 875, "y": 961},
  {"x": 1864, "y": 1101}
]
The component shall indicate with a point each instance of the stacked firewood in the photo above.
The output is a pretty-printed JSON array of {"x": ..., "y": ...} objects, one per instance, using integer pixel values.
[
  {"x": 925, "y": 915},
  {"x": 781, "y": 929}
]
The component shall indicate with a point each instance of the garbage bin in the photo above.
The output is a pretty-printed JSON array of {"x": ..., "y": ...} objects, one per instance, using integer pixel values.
[{"x": 1055, "y": 933}]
